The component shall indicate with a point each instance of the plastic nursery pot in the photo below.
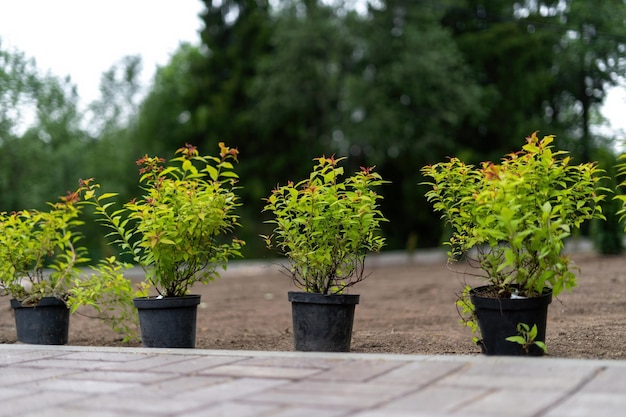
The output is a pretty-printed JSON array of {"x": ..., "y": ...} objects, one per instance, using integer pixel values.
[
  {"x": 168, "y": 322},
  {"x": 322, "y": 323},
  {"x": 46, "y": 323},
  {"x": 498, "y": 319}
]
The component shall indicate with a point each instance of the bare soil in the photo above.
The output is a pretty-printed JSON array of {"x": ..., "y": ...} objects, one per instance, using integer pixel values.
[{"x": 406, "y": 307}]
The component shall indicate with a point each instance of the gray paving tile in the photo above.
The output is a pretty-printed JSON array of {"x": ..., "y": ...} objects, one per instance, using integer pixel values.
[
  {"x": 345, "y": 395},
  {"x": 182, "y": 402},
  {"x": 124, "y": 404},
  {"x": 526, "y": 376},
  {"x": 611, "y": 380},
  {"x": 142, "y": 377},
  {"x": 241, "y": 388},
  {"x": 111, "y": 382},
  {"x": 13, "y": 356},
  {"x": 252, "y": 371},
  {"x": 419, "y": 374},
  {"x": 400, "y": 413},
  {"x": 190, "y": 365},
  {"x": 6, "y": 393},
  {"x": 298, "y": 411},
  {"x": 14, "y": 375},
  {"x": 175, "y": 386},
  {"x": 295, "y": 362},
  {"x": 596, "y": 404},
  {"x": 55, "y": 362},
  {"x": 509, "y": 402},
  {"x": 77, "y": 385},
  {"x": 154, "y": 363},
  {"x": 356, "y": 370},
  {"x": 71, "y": 411},
  {"x": 437, "y": 399},
  {"x": 232, "y": 409},
  {"x": 110, "y": 356},
  {"x": 37, "y": 401}
]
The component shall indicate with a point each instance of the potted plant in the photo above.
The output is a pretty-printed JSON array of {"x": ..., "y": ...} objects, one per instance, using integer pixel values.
[
  {"x": 325, "y": 227},
  {"x": 40, "y": 255},
  {"x": 176, "y": 233},
  {"x": 509, "y": 222}
]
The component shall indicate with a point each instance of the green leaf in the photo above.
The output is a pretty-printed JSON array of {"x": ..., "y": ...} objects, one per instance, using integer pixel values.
[
  {"x": 213, "y": 174},
  {"x": 106, "y": 196},
  {"x": 516, "y": 339}
]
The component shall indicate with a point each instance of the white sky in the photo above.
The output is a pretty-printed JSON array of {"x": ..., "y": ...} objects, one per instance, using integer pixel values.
[{"x": 84, "y": 38}]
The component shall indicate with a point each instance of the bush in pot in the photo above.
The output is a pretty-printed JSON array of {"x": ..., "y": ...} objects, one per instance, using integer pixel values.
[
  {"x": 509, "y": 221},
  {"x": 40, "y": 256},
  {"x": 325, "y": 227},
  {"x": 177, "y": 233}
]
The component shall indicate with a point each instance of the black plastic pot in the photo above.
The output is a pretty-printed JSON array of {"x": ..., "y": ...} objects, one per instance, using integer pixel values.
[
  {"x": 46, "y": 323},
  {"x": 498, "y": 319},
  {"x": 168, "y": 322},
  {"x": 322, "y": 323}
]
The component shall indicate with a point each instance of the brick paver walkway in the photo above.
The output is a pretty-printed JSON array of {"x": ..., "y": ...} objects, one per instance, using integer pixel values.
[{"x": 72, "y": 381}]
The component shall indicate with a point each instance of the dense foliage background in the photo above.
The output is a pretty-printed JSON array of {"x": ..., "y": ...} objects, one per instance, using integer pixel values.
[{"x": 402, "y": 84}]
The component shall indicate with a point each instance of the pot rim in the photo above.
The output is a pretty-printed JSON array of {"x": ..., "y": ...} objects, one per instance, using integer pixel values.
[
  {"x": 317, "y": 298},
  {"x": 153, "y": 302},
  {"x": 510, "y": 303}
]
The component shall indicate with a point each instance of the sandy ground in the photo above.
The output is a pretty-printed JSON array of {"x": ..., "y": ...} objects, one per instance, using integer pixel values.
[{"x": 407, "y": 306}]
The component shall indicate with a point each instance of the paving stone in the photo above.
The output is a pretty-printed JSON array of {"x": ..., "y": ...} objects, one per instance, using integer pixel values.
[
  {"x": 528, "y": 375},
  {"x": 596, "y": 404},
  {"x": 232, "y": 409},
  {"x": 241, "y": 388},
  {"x": 37, "y": 401},
  {"x": 437, "y": 399},
  {"x": 71, "y": 411},
  {"x": 77, "y": 385},
  {"x": 110, "y": 356},
  {"x": 55, "y": 362},
  {"x": 401, "y": 413},
  {"x": 298, "y": 411},
  {"x": 14, "y": 356},
  {"x": 419, "y": 374},
  {"x": 347, "y": 395},
  {"x": 176, "y": 385},
  {"x": 7, "y": 393},
  {"x": 509, "y": 402},
  {"x": 14, "y": 375},
  {"x": 77, "y": 381},
  {"x": 121, "y": 376},
  {"x": 295, "y": 362},
  {"x": 252, "y": 371},
  {"x": 195, "y": 365},
  {"x": 357, "y": 370},
  {"x": 125, "y": 404},
  {"x": 611, "y": 380},
  {"x": 153, "y": 363}
]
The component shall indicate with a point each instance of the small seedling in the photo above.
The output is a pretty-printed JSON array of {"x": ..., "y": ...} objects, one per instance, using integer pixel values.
[{"x": 526, "y": 337}]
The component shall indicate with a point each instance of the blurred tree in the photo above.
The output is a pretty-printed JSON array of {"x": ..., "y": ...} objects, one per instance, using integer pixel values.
[
  {"x": 589, "y": 59},
  {"x": 165, "y": 119},
  {"x": 296, "y": 93},
  {"x": 608, "y": 235},
  {"x": 234, "y": 37},
  {"x": 546, "y": 65},
  {"x": 402, "y": 107},
  {"x": 41, "y": 142},
  {"x": 114, "y": 145},
  {"x": 18, "y": 82},
  {"x": 120, "y": 97},
  {"x": 513, "y": 63}
]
